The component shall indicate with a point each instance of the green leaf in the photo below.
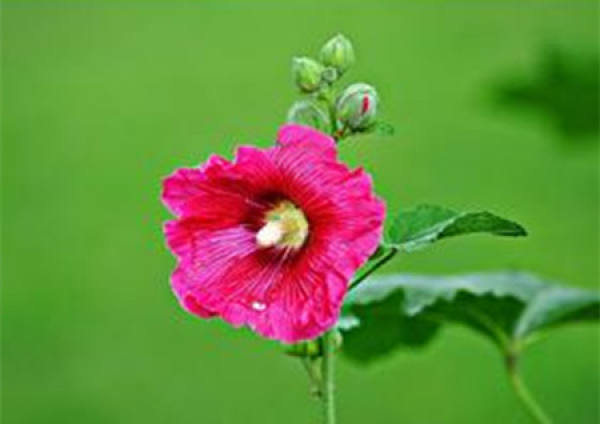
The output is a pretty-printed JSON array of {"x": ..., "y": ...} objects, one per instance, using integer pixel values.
[
  {"x": 416, "y": 228},
  {"x": 554, "y": 306},
  {"x": 372, "y": 331},
  {"x": 398, "y": 310}
]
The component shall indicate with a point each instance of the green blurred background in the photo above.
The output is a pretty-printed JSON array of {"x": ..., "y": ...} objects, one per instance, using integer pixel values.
[{"x": 494, "y": 104}]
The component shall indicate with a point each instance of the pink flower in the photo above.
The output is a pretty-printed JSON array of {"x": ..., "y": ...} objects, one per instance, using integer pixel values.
[{"x": 272, "y": 239}]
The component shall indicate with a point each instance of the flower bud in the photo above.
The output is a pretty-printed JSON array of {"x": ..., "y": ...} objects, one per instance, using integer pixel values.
[
  {"x": 357, "y": 106},
  {"x": 307, "y": 349},
  {"x": 338, "y": 53},
  {"x": 338, "y": 339},
  {"x": 307, "y": 73},
  {"x": 307, "y": 112},
  {"x": 330, "y": 74}
]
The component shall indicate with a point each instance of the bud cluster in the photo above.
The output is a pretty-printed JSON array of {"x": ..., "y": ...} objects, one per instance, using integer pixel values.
[{"x": 350, "y": 110}]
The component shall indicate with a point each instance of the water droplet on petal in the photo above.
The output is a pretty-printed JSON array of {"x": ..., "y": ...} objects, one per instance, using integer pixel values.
[{"x": 258, "y": 306}]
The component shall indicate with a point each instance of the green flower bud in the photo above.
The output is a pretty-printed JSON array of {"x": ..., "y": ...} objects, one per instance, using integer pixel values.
[
  {"x": 307, "y": 112},
  {"x": 307, "y": 349},
  {"x": 307, "y": 73},
  {"x": 330, "y": 74},
  {"x": 338, "y": 53},
  {"x": 338, "y": 339},
  {"x": 356, "y": 108}
]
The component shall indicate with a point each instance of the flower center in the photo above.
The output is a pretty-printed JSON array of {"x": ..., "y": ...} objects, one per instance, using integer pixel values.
[{"x": 285, "y": 226}]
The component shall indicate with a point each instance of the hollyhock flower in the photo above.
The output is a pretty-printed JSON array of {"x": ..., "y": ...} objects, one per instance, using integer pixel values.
[{"x": 271, "y": 239}]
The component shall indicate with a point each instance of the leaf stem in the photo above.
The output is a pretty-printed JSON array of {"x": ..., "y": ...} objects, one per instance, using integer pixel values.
[
  {"x": 328, "y": 373},
  {"x": 532, "y": 407},
  {"x": 374, "y": 265}
]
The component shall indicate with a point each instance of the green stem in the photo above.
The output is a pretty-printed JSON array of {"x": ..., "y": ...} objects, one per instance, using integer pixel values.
[
  {"x": 328, "y": 96},
  {"x": 328, "y": 345},
  {"x": 328, "y": 372},
  {"x": 373, "y": 265},
  {"x": 533, "y": 408},
  {"x": 333, "y": 119}
]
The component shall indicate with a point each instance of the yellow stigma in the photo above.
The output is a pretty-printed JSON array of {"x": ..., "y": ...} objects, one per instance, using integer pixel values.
[{"x": 285, "y": 226}]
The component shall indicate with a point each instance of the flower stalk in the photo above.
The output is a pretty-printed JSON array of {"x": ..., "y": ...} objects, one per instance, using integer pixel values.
[
  {"x": 351, "y": 112},
  {"x": 328, "y": 375}
]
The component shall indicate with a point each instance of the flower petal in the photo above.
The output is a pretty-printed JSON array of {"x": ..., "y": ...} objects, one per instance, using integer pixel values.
[
  {"x": 294, "y": 134},
  {"x": 186, "y": 183}
]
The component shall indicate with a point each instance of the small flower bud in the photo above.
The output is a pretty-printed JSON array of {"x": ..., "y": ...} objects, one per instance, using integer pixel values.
[
  {"x": 307, "y": 349},
  {"x": 338, "y": 339},
  {"x": 307, "y": 112},
  {"x": 338, "y": 53},
  {"x": 307, "y": 73},
  {"x": 330, "y": 74},
  {"x": 357, "y": 106}
]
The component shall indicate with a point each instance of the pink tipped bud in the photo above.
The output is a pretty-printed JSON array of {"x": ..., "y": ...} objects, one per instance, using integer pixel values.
[{"x": 356, "y": 108}]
